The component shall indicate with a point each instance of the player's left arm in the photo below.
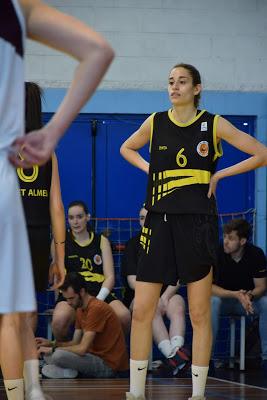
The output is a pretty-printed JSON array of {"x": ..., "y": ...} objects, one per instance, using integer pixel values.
[
  {"x": 58, "y": 223},
  {"x": 169, "y": 292},
  {"x": 243, "y": 142},
  {"x": 108, "y": 269}
]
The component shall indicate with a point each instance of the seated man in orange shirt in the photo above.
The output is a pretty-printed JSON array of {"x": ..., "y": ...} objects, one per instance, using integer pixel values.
[{"x": 97, "y": 349}]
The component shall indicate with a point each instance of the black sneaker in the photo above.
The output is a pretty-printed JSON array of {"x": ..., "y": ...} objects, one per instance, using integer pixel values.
[
  {"x": 211, "y": 368},
  {"x": 264, "y": 366}
]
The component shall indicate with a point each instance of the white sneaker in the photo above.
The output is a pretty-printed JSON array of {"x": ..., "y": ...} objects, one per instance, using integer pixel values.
[
  {"x": 37, "y": 395},
  {"x": 42, "y": 397},
  {"x": 55, "y": 372},
  {"x": 130, "y": 396},
  {"x": 156, "y": 364},
  {"x": 197, "y": 398}
]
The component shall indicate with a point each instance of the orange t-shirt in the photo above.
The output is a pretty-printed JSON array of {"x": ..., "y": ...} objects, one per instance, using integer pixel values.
[{"x": 109, "y": 342}]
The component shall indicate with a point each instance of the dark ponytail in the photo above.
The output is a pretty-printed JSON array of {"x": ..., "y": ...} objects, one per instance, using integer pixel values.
[{"x": 33, "y": 106}]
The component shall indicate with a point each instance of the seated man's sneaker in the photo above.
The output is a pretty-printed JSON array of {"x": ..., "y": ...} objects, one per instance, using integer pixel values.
[
  {"x": 130, "y": 396},
  {"x": 55, "y": 372},
  {"x": 211, "y": 367}
]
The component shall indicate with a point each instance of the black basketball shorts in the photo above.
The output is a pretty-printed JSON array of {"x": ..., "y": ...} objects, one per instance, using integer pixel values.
[
  {"x": 176, "y": 247},
  {"x": 40, "y": 240}
]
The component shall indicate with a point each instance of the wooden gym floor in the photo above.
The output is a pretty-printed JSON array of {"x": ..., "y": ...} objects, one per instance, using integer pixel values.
[{"x": 156, "y": 389}]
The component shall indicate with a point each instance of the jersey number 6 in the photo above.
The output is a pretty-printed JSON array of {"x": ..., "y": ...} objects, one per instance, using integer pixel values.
[{"x": 181, "y": 158}]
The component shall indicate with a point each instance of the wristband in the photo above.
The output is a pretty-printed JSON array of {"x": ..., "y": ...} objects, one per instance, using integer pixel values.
[
  {"x": 103, "y": 293},
  {"x": 60, "y": 242},
  {"x": 53, "y": 345}
]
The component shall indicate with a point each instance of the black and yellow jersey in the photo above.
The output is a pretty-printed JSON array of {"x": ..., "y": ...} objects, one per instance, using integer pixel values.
[
  {"x": 86, "y": 260},
  {"x": 183, "y": 158},
  {"x": 35, "y": 185}
]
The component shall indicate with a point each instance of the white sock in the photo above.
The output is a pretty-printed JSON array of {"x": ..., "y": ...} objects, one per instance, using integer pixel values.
[
  {"x": 177, "y": 342},
  {"x": 199, "y": 378},
  {"x": 14, "y": 389},
  {"x": 138, "y": 371},
  {"x": 165, "y": 347},
  {"x": 31, "y": 380}
]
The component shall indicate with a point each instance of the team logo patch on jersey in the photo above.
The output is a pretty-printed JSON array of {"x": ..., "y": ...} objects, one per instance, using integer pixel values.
[
  {"x": 97, "y": 259},
  {"x": 203, "y": 148},
  {"x": 204, "y": 126}
]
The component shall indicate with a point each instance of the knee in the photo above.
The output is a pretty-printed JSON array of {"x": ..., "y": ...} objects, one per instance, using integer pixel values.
[
  {"x": 122, "y": 313},
  {"x": 60, "y": 328},
  {"x": 61, "y": 322},
  {"x": 59, "y": 358},
  {"x": 200, "y": 315},
  {"x": 126, "y": 318},
  {"x": 142, "y": 313},
  {"x": 177, "y": 306}
]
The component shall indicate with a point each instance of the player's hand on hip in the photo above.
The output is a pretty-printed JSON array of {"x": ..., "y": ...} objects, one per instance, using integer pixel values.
[
  {"x": 213, "y": 185},
  {"x": 57, "y": 275}
]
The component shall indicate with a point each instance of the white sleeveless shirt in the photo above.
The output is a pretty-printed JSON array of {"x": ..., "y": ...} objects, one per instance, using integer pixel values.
[
  {"x": 16, "y": 281},
  {"x": 12, "y": 40}
]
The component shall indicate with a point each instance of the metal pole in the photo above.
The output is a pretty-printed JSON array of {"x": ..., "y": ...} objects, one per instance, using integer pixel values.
[{"x": 93, "y": 173}]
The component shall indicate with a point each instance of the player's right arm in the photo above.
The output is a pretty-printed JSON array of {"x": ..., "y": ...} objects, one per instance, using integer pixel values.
[
  {"x": 129, "y": 149},
  {"x": 65, "y": 33}
]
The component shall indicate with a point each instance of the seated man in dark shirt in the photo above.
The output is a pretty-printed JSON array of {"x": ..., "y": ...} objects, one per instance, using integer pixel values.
[{"x": 240, "y": 284}]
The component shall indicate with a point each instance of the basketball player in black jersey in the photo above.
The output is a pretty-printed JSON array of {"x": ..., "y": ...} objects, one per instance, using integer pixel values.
[
  {"x": 43, "y": 207},
  {"x": 180, "y": 235},
  {"x": 90, "y": 255},
  {"x": 42, "y": 202}
]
